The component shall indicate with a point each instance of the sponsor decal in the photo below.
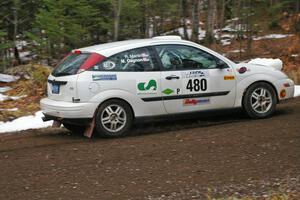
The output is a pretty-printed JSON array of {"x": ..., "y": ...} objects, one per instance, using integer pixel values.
[
  {"x": 149, "y": 87},
  {"x": 104, "y": 77},
  {"x": 242, "y": 70},
  {"x": 168, "y": 91},
  {"x": 134, "y": 58},
  {"x": 230, "y": 77},
  {"x": 195, "y": 101},
  {"x": 108, "y": 65},
  {"x": 193, "y": 74}
]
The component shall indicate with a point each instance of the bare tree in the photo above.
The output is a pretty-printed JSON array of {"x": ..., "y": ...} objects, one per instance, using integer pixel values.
[
  {"x": 185, "y": 15},
  {"x": 196, "y": 20},
  {"x": 117, "y": 6},
  {"x": 297, "y": 6},
  {"x": 15, "y": 22},
  {"x": 210, "y": 21},
  {"x": 249, "y": 27}
]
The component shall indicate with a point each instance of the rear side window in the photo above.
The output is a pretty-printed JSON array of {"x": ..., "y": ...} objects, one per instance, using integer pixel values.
[
  {"x": 70, "y": 65},
  {"x": 135, "y": 60}
]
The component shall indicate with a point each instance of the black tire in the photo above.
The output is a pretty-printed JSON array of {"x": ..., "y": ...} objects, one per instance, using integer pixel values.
[
  {"x": 75, "y": 129},
  {"x": 249, "y": 101},
  {"x": 104, "y": 127}
]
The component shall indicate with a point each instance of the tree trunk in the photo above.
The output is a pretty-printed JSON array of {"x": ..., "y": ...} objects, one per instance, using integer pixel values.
[
  {"x": 249, "y": 28},
  {"x": 195, "y": 11},
  {"x": 117, "y": 4},
  {"x": 210, "y": 20},
  {"x": 147, "y": 22},
  {"x": 297, "y": 6},
  {"x": 184, "y": 18},
  {"x": 15, "y": 23}
]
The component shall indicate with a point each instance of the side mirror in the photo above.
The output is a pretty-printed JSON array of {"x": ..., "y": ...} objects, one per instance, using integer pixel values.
[{"x": 221, "y": 65}]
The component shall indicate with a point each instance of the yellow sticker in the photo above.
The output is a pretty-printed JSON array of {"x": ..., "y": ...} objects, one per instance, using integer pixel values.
[{"x": 226, "y": 78}]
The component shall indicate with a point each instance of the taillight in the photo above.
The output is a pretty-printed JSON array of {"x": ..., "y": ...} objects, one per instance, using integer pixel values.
[
  {"x": 93, "y": 59},
  {"x": 77, "y": 51}
]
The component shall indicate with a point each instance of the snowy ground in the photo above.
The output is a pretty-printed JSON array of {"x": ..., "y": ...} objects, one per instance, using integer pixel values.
[
  {"x": 297, "y": 91},
  {"x": 23, "y": 123},
  {"x": 35, "y": 121}
]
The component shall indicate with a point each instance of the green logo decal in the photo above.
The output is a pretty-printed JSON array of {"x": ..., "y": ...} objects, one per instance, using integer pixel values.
[
  {"x": 151, "y": 85},
  {"x": 168, "y": 91}
]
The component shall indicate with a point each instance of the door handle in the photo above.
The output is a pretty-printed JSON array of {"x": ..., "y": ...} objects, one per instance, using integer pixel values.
[{"x": 172, "y": 77}]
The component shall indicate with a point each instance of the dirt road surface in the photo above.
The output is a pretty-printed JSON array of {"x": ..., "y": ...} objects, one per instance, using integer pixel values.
[{"x": 216, "y": 155}]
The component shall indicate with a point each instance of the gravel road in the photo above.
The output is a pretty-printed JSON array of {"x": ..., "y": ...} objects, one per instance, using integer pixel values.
[{"x": 219, "y": 155}]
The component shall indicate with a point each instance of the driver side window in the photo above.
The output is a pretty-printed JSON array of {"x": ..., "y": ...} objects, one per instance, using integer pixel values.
[
  {"x": 135, "y": 60},
  {"x": 181, "y": 57}
]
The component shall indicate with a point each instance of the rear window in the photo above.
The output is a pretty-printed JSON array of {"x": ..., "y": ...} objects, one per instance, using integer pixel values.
[{"x": 70, "y": 65}]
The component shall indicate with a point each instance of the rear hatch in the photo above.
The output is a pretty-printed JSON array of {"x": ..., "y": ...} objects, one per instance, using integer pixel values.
[{"x": 62, "y": 83}]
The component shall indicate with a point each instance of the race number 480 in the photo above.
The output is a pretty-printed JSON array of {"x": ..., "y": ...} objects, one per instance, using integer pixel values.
[{"x": 197, "y": 85}]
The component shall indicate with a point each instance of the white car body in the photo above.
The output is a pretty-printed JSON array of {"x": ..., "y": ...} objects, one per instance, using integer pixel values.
[{"x": 81, "y": 94}]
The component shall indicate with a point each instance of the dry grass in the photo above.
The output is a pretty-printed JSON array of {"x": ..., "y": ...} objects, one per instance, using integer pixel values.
[{"x": 34, "y": 88}]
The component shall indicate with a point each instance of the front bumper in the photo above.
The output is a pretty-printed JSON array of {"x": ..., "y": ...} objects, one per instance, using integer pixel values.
[
  {"x": 286, "y": 87},
  {"x": 70, "y": 110}
]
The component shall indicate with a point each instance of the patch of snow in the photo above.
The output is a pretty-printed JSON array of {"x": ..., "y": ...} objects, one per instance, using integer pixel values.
[
  {"x": 4, "y": 89},
  {"x": 294, "y": 55},
  {"x": 5, "y": 97},
  {"x": 5, "y": 78},
  {"x": 180, "y": 31},
  {"x": 9, "y": 109},
  {"x": 237, "y": 51},
  {"x": 227, "y": 36},
  {"x": 24, "y": 54},
  {"x": 225, "y": 42},
  {"x": 21, "y": 43},
  {"x": 272, "y": 36},
  {"x": 297, "y": 91},
  {"x": 233, "y": 19},
  {"x": 23, "y": 123},
  {"x": 275, "y": 63}
]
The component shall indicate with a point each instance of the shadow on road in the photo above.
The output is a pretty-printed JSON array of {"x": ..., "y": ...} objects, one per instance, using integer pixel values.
[{"x": 168, "y": 124}]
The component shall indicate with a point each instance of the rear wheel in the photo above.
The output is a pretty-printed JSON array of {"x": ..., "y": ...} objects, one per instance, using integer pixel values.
[
  {"x": 260, "y": 100},
  {"x": 75, "y": 129},
  {"x": 114, "y": 118}
]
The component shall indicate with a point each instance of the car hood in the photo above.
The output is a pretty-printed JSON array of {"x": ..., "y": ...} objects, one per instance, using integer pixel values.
[
  {"x": 271, "y": 67},
  {"x": 269, "y": 62}
]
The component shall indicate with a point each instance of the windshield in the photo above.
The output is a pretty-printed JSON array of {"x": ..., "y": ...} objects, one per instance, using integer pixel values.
[{"x": 70, "y": 65}]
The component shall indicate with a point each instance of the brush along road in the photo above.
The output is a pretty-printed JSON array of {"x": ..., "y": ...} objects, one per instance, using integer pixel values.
[{"x": 160, "y": 160}]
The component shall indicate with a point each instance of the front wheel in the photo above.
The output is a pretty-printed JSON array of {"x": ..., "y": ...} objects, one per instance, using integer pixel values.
[
  {"x": 114, "y": 118},
  {"x": 260, "y": 100}
]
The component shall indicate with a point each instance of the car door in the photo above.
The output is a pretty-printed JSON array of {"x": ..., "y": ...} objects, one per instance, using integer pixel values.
[
  {"x": 134, "y": 72},
  {"x": 194, "y": 80}
]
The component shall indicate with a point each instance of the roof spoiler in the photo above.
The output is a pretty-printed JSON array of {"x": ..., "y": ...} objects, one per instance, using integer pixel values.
[{"x": 168, "y": 37}]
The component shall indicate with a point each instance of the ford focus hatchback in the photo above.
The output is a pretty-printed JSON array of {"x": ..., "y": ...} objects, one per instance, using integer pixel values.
[{"x": 106, "y": 87}]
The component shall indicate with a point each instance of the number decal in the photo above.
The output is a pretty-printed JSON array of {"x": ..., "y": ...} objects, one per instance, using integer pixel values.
[
  {"x": 203, "y": 84},
  {"x": 190, "y": 85},
  {"x": 196, "y": 85}
]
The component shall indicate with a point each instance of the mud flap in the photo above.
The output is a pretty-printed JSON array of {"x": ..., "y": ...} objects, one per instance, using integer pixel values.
[
  {"x": 90, "y": 129},
  {"x": 56, "y": 123}
]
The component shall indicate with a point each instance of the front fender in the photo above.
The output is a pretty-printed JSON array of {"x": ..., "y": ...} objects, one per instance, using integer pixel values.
[{"x": 244, "y": 83}]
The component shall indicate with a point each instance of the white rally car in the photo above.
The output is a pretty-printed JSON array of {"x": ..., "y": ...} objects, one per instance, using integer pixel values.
[{"x": 106, "y": 87}]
